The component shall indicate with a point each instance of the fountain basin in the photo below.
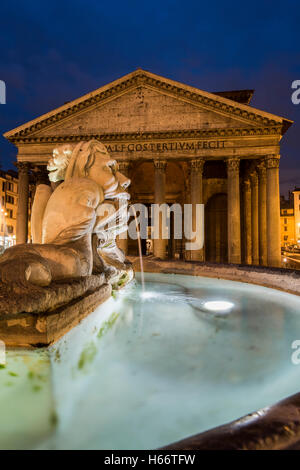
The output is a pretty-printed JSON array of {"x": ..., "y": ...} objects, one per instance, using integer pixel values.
[{"x": 144, "y": 371}]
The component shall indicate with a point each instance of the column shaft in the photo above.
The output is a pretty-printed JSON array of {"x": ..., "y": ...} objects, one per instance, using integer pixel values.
[
  {"x": 187, "y": 200},
  {"x": 262, "y": 213},
  {"x": 22, "y": 213},
  {"x": 247, "y": 222},
  {"x": 254, "y": 217},
  {"x": 196, "y": 195},
  {"x": 273, "y": 212},
  {"x": 234, "y": 222},
  {"x": 122, "y": 240},
  {"x": 160, "y": 244}
]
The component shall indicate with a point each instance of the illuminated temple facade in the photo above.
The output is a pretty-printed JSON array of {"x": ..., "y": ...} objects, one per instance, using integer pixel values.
[{"x": 178, "y": 144}]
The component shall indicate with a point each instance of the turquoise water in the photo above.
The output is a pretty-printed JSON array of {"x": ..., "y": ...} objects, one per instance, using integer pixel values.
[{"x": 144, "y": 371}]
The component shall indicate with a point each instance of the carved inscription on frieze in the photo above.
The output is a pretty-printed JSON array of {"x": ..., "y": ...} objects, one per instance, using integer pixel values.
[{"x": 166, "y": 146}]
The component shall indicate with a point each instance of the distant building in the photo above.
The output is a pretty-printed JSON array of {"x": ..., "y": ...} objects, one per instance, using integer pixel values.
[
  {"x": 8, "y": 208},
  {"x": 290, "y": 219}
]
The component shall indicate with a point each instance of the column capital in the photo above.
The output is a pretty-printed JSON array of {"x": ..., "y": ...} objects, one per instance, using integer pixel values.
[
  {"x": 247, "y": 184},
  {"x": 40, "y": 175},
  {"x": 124, "y": 165},
  {"x": 254, "y": 177},
  {"x": 272, "y": 161},
  {"x": 23, "y": 167},
  {"x": 160, "y": 164},
  {"x": 196, "y": 165},
  {"x": 261, "y": 165},
  {"x": 262, "y": 170},
  {"x": 233, "y": 164}
]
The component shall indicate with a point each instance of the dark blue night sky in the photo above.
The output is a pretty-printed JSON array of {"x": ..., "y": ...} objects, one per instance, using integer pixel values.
[{"x": 55, "y": 51}]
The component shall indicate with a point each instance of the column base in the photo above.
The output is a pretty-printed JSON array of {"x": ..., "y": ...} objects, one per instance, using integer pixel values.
[
  {"x": 160, "y": 249},
  {"x": 234, "y": 259},
  {"x": 274, "y": 263},
  {"x": 263, "y": 262},
  {"x": 196, "y": 255}
]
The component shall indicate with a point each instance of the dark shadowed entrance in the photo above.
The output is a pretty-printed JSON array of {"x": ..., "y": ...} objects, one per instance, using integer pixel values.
[{"x": 216, "y": 229}]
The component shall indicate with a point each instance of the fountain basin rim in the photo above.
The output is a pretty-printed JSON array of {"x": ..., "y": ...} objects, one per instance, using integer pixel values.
[
  {"x": 286, "y": 280},
  {"x": 276, "y": 427}
]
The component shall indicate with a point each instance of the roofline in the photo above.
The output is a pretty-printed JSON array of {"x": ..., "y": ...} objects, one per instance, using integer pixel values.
[
  {"x": 285, "y": 122},
  {"x": 245, "y": 92}
]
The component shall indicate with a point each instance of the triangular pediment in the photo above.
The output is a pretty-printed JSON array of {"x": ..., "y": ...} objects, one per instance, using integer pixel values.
[
  {"x": 141, "y": 109},
  {"x": 143, "y": 102}
]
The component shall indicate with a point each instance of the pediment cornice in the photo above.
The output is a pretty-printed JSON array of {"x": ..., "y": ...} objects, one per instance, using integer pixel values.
[
  {"x": 225, "y": 106},
  {"x": 152, "y": 136}
]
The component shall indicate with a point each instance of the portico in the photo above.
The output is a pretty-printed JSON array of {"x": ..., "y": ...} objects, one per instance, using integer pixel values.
[{"x": 178, "y": 144}]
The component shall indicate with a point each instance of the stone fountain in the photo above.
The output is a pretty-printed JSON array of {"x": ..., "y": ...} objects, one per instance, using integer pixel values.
[{"x": 74, "y": 263}]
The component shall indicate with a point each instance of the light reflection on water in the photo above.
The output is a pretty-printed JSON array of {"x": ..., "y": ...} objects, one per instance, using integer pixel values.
[{"x": 147, "y": 369}]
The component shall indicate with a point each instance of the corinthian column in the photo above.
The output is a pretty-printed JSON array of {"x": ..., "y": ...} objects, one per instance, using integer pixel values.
[
  {"x": 254, "y": 217},
  {"x": 160, "y": 244},
  {"x": 196, "y": 195},
  {"x": 22, "y": 213},
  {"x": 247, "y": 221},
  {"x": 262, "y": 213},
  {"x": 187, "y": 200},
  {"x": 122, "y": 242},
  {"x": 234, "y": 223},
  {"x": 273, "y": 211}
]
